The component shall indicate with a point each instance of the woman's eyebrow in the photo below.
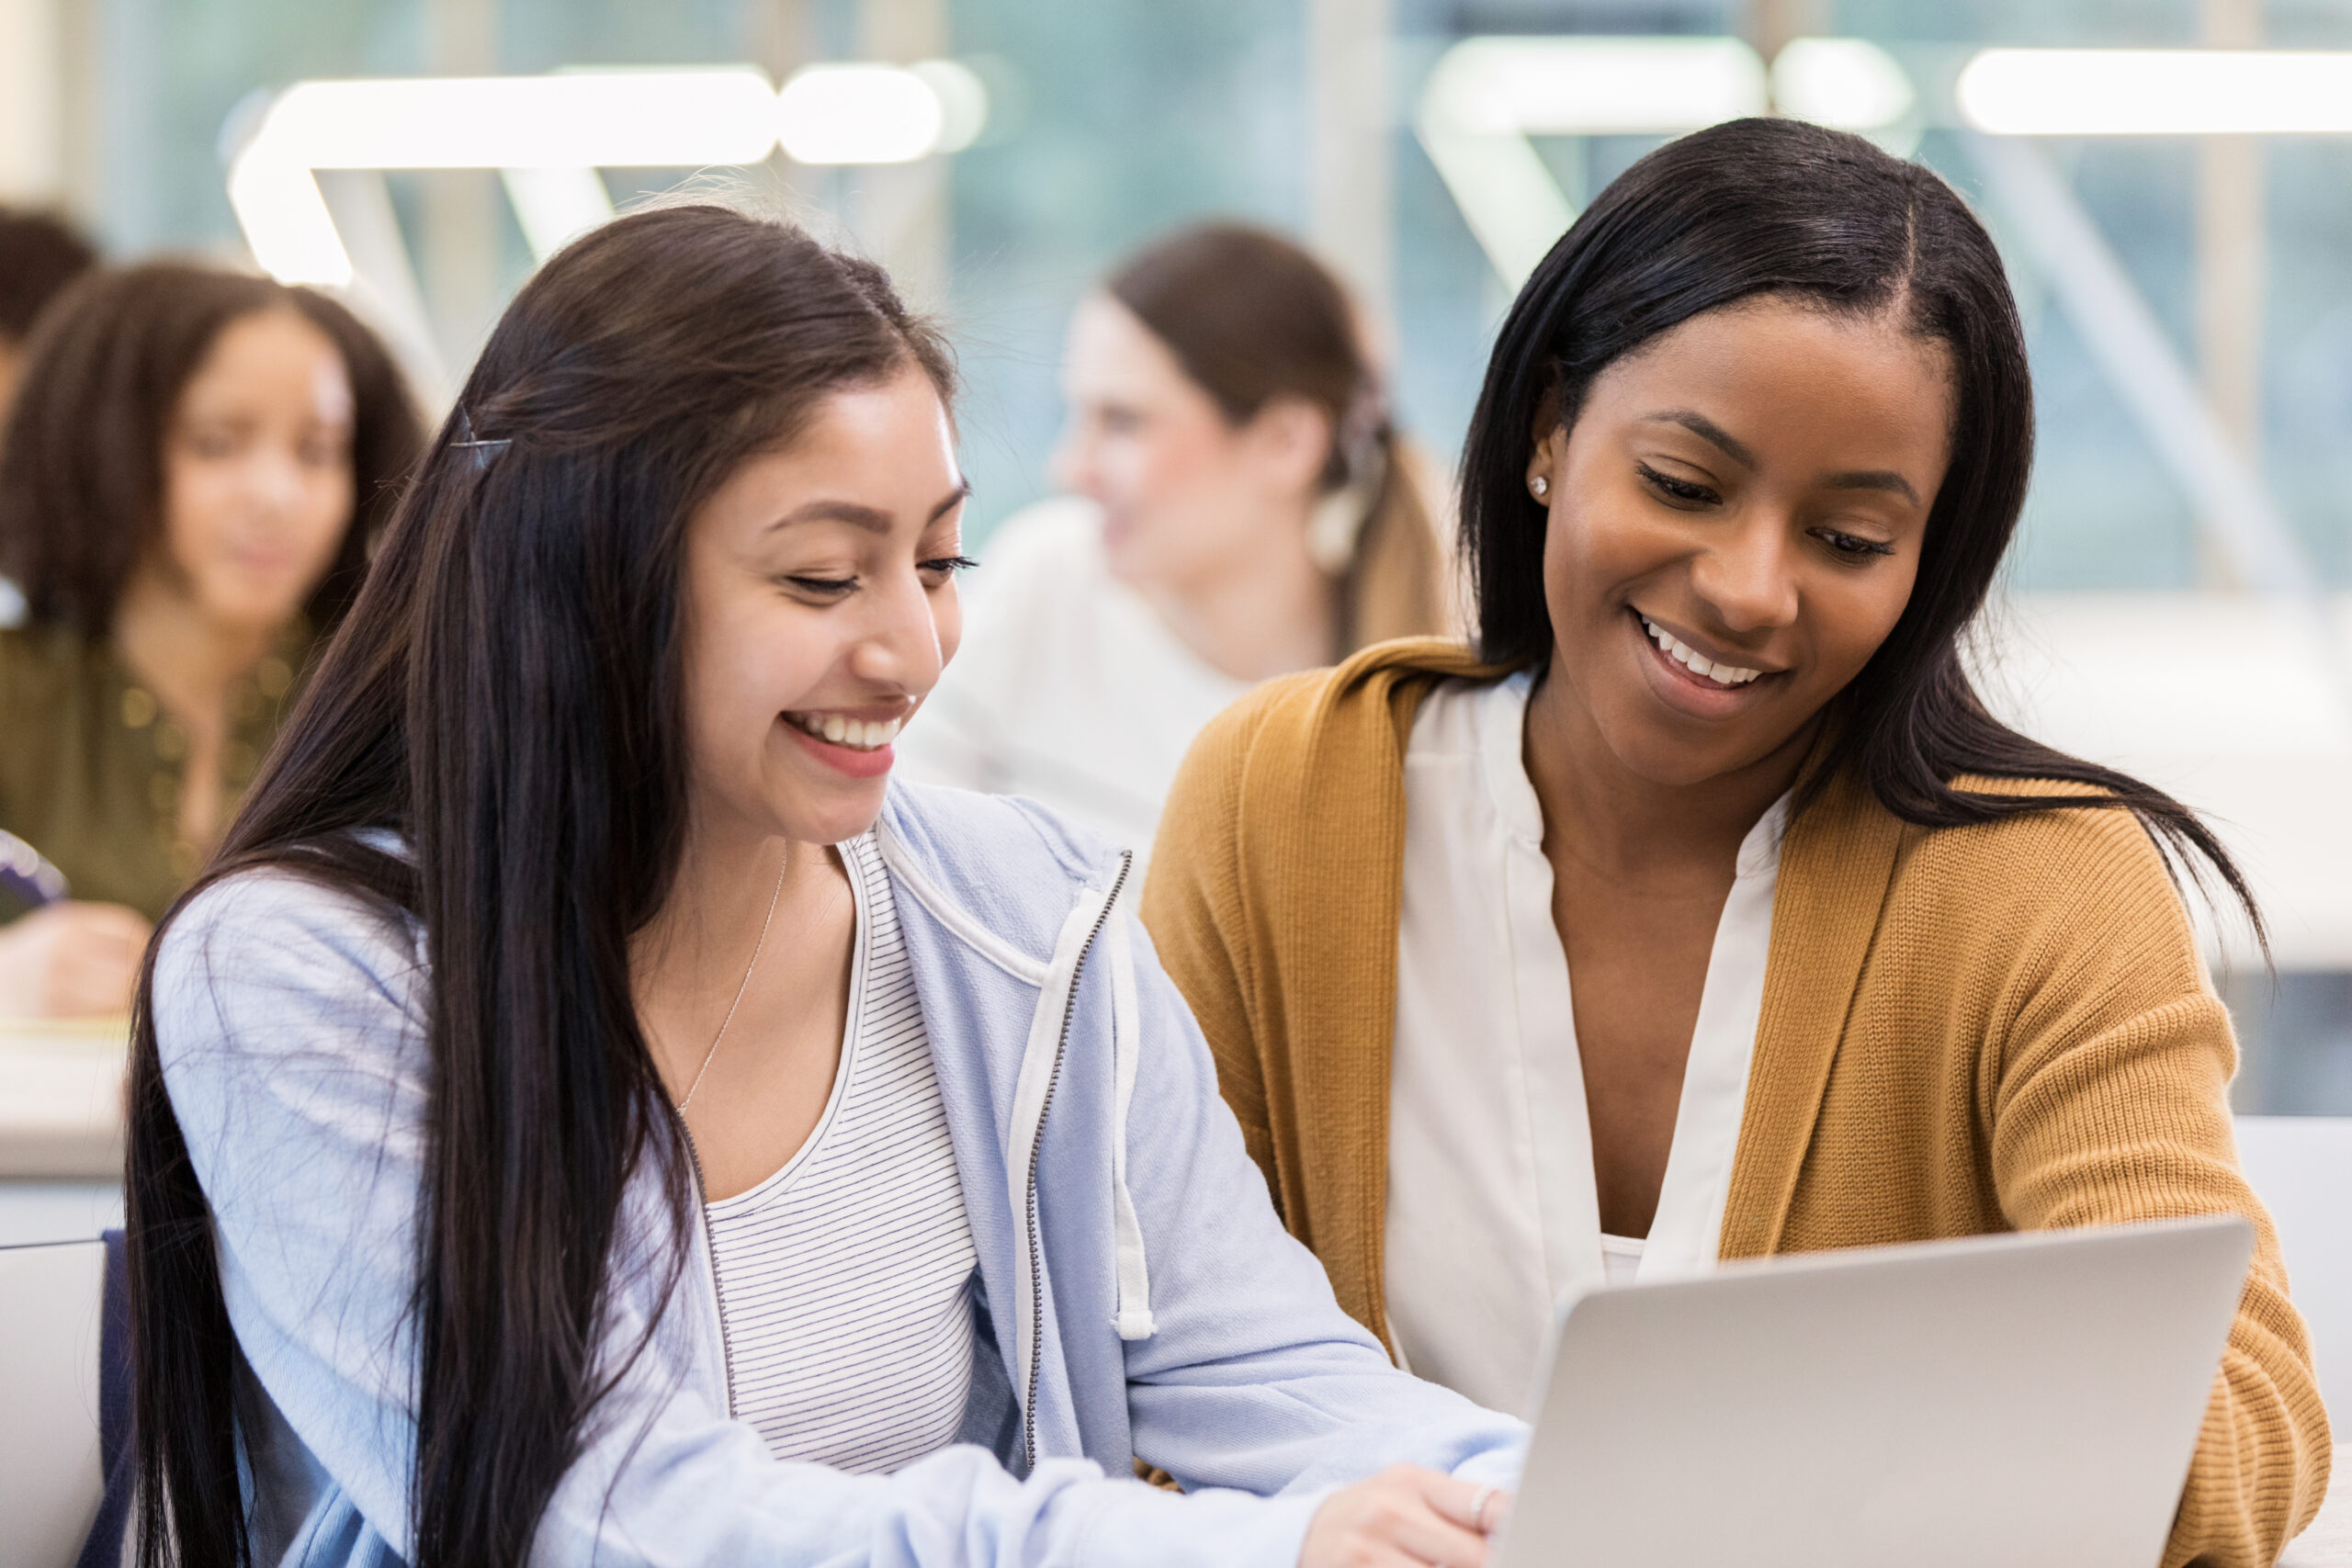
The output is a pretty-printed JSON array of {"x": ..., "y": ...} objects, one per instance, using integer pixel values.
[
  {"x": 956, "y": 497},
  {"x": 1714, "y": 434},
  {"x": 1707, "y": 430},
  {"x": 1873, "y": 478},
  {"x": 858, "y": 514}
]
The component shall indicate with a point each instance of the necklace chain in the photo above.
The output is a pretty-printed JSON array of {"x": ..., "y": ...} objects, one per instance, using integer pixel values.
[{"x": 740, "y": 989}]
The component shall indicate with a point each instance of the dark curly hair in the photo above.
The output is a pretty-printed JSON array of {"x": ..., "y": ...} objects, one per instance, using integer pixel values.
[
  {"x": 82, "y": 465},
  {"x": 39, "y": 256}
]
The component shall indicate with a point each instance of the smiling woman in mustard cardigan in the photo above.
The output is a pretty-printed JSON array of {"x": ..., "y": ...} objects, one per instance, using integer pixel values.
[{"x": 1703, "y": 911}]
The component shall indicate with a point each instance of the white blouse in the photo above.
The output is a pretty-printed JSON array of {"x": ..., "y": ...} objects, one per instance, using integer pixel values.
[
  {"x": 1493, "y": 1214},
  {"x": 1069, "y": 687},
  {"x": 844, "y": 1278}
]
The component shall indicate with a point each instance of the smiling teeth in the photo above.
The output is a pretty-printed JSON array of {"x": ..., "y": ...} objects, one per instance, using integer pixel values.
[
  {"x": 1684, "y": 655},
  {"x": 858, "y": 735}
]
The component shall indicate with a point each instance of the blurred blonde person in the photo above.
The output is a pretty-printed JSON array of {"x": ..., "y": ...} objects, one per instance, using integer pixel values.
[
  {"x": 191, "y": 475},
  {"x": 1242, "y": 507}
]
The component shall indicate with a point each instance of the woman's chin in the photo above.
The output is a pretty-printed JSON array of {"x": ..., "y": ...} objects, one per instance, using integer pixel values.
[
  {"x": 820, "y": 792},
  {"x": 1655, "y": 749},
  {"x": 255, "y": 611}
]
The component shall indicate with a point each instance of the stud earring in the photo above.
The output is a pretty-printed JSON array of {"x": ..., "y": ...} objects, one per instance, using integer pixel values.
[{"x": 1541, "y": 486}]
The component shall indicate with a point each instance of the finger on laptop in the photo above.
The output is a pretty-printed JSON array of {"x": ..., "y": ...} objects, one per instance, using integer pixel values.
[
  {"x": 1479, "y": 1509},
  {"x": 1403, "y": 1515}
]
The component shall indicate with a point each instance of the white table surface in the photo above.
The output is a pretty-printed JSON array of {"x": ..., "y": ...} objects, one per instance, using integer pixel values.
[{"x": 60, "y": 1098}]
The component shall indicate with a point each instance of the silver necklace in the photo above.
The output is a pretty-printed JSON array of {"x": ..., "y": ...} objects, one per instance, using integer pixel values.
[{"x": 746, "y": 986}]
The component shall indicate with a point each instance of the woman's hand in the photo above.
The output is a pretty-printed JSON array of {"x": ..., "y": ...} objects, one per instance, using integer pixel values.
[
  {"x": 1405, "y": 1517},
  {"x": 71, "y": 959}
]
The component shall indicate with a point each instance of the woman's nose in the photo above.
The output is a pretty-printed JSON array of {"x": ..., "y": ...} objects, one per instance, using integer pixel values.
[
  {"x": 1748, "y": 577},
  {"x": 899, "y": 646},
  {"x": 274, "y": 479}
]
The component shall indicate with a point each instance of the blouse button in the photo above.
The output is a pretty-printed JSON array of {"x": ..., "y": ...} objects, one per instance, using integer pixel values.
[{"x": 137, "y": 708}]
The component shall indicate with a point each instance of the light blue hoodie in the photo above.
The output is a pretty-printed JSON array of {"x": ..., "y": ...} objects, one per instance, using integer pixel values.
[{"x": 1142, "y": 1297}]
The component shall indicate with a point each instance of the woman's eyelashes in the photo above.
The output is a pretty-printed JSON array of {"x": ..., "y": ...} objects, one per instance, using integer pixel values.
[
  {"x": 1690, "y": 495},
  {"x": 937, "y": 568},
  {"x": 1852, "y": 548},
  {"x": 821, "y": 587},
  {"x": 1685, "y": 494}
]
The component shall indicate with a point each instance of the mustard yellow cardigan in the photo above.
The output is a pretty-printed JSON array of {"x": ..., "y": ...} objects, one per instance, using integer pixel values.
[{"x": 1964, "y": 1031}]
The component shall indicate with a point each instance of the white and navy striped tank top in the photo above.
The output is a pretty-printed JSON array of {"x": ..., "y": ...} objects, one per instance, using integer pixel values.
[{"x": 845, "y": 1277}]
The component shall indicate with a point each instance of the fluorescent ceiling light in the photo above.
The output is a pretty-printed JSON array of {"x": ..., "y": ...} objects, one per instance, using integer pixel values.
[
  {"x": 1488, "y": 96},
  {"x": 1593, "y": 87},
  {"x": 2156, "y": 92},
  {"x": 858, "y": 114},
  {"x": 285, "y": 220},
  {"x": 551, "y": 133},
  {"x": 602, "y": 120},
  {"x": 556, "y": 207},
  {"x": 963, "y": 102},
  {"x": 1847, "y": 83}
]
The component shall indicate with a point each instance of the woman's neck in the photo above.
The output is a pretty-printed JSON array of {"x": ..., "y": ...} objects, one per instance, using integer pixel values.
[
  {"x": 688, "y": 964},
  {"x": 1635, "y": 831},
  {"x": 1267, "y": 615},
  {"x": 187, "y": 659}
]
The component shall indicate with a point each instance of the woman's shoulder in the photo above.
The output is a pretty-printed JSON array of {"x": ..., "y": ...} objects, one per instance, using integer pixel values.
[
  {"x": 290, "y": 948},
  {"x": 2074, "y": 829},
  {"x": 1351, "y": 714},
  {"x": 1033, "y": 609},
  {"x": 51, "y": 685},
  {"x": 1000, "y": 863},
  {"x": 1047, "y": 546},
  {"x": 41, "y": 666},
  {"x": 2064, "y": 874}
]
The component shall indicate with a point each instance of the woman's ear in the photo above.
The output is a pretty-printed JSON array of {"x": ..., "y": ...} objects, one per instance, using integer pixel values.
[
  {"x": 1291, "y": 438},
  {"x": 1547, "y": 464}
]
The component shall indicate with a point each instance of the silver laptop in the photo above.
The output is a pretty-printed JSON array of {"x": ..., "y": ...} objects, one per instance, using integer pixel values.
[{"x": 2011, "y": 1401}]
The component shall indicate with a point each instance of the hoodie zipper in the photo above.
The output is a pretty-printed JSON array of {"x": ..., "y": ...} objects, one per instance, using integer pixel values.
[
  {"x": 710, "y": 1251},
  {"x": 1036, "y": 1146}
]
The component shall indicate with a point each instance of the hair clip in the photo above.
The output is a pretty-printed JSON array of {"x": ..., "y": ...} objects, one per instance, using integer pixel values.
[{"x": 485, "y": 453}]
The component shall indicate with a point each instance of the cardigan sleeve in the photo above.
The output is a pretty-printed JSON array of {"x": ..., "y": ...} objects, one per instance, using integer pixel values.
[
  {"x": 2106, "y": 1094},
  {"x": 1191, "y": 906}
]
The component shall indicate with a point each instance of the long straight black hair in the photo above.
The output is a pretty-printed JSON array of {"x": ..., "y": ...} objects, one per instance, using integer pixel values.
[
  {"x": 505, "y": 694},
  {"x": 1759, "y": 207}
]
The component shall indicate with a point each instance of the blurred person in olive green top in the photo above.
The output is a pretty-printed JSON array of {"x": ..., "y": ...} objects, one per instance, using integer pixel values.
[{"x": 191, "y": 473}]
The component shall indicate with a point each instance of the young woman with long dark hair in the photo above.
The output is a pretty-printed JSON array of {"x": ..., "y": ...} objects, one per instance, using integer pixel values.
[
  {"x": 586, "y": 1113},
  {"x": 188, "y": 488},
  {"x": 1702, "y": 909},
  {"x": 1239, "y": 504}
]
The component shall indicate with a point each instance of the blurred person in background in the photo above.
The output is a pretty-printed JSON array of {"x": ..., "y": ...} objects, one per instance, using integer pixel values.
[
  {"x": 1243, "y": 507},
  {"x": 39, "y": 256},
  {"x": 190, "y": 480}
]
